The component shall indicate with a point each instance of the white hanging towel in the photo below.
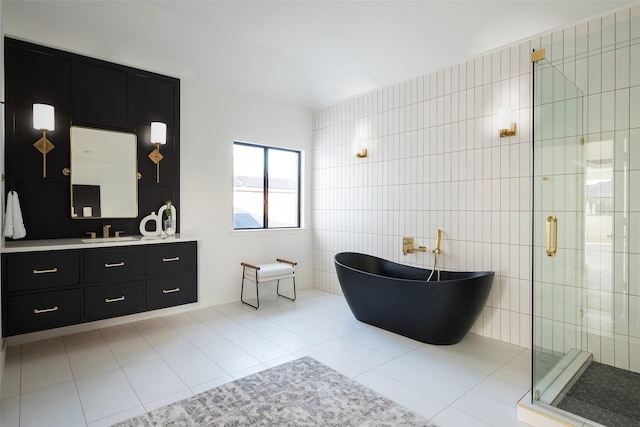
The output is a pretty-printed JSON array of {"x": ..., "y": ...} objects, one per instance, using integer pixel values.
[
  {"x": 13, "y": 222},
  {"x": 8, "y": 216}
]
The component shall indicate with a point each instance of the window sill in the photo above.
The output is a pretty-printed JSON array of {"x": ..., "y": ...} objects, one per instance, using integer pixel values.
[{"x": 268, "y": 231}]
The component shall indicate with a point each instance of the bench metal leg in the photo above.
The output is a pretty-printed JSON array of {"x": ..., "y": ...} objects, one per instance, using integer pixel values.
[
  {"x": 284, "y": 296},
  {"x": 242, "y": 293}
]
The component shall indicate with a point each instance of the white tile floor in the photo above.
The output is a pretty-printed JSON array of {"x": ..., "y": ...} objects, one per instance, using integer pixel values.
[{"x": 101, "y": 377}]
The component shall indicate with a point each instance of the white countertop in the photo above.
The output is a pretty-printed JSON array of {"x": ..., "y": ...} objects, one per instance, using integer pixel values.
[{"x": 59, "y": 244}]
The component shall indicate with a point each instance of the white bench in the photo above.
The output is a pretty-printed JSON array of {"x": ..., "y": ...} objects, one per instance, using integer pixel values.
[{"x": 282, "y": 269}]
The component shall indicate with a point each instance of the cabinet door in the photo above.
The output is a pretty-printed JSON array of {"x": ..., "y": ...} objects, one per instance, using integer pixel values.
[
  {"x": 169, "y": 258},
  {"x": 41, "y": 270},
  {"x": 156, "y": 99},
  {"x": 168, "y": 291},
  {"x": 100, "y": 95},
  {"x": 45, "y": 310},
  {"x": 112, "y": 264},
  {"x": 36, "y": 75},
  {"x": 114, "y": 299}
]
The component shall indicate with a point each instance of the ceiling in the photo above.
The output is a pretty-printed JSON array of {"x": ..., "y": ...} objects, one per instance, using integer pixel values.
[{"x": 310, "y": 53}]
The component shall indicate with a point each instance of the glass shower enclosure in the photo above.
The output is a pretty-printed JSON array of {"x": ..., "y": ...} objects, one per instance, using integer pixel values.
[
  {"x": 559, "y": 268},
  {"x": 586, "y": 260}
]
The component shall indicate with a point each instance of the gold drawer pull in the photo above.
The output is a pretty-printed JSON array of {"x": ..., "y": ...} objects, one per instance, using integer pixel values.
[
  {"x": 170, "y": 291},
  {"x": 176, "y": 258},
  {"x": 117, "y": 264},
  {"x": 120, "y": 298},
  {"x": 45, "y": 310},
  {"x": 51, "y": 270}
]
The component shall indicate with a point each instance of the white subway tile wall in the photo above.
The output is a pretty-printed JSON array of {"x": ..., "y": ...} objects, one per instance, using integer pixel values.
[{"x": 435, "y": 160}]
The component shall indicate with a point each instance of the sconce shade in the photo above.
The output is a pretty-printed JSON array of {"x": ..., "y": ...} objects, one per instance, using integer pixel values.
[
  {"x": 158, "y": 137},
  {"x": 504, "y": 118},
  {"x": 44, "y": 120},
  {"x": 505, "y": 123},
  {"x": 360, "y": 148},
  {"x": 44, "y": 117},
  {"x": 158, "y": 133}
]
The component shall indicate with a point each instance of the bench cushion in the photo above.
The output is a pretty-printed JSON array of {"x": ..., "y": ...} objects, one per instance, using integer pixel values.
[{"x": 274, "y": 271}]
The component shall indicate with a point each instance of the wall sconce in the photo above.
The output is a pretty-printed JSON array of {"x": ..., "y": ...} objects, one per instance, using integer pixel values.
[
  {"x": 44, "y": 120},
  {"x": 158, "y": 136},
  {"x": 507, "y": 126},
  {"x": 359, "y": 145}
]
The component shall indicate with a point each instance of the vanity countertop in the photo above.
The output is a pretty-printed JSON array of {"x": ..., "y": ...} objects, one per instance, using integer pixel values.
[{"x": 85, "y": 243}]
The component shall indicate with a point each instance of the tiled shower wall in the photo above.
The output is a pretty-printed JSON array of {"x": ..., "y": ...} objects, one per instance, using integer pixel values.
[{"x": 435, "y": 160}]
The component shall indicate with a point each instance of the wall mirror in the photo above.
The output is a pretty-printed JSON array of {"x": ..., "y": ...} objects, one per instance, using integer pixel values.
[{"x": 104, "y": 169}]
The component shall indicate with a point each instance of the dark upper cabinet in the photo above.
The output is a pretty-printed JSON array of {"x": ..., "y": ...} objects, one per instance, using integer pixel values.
[
  {"x": 36, "y": 76},
  {"x": 153, "y": 99},
  {"x": 100, "y": 96},
  {"x": 22, "y": 160},
  {"x": 157, "y": 95},
  {"x": 92, "y": 93}
]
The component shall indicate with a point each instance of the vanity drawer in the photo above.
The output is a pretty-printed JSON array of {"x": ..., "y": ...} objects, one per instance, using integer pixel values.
[
  {"x": 112, "y": 264},
  {"x": 39, "y": 270},
  {"x": 112, "y": 300},
  {"x": 168, "y": 258},
  {"x": 44, "y": 310},
  {"x": 169, "y": 291}
]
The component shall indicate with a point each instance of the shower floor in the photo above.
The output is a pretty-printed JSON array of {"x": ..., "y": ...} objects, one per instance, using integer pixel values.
[{"x": 607, "y": 395}]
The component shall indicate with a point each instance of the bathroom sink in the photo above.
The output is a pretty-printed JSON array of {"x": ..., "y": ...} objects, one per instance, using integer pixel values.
[{"x": 108, "y": 239}]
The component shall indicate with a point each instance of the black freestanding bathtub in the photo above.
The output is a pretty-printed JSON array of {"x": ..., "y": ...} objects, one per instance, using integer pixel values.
[{"x": 398, "y": 297}]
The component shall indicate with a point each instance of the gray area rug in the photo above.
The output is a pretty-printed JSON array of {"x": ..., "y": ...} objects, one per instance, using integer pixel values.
[{"x": 303, "y": 392}]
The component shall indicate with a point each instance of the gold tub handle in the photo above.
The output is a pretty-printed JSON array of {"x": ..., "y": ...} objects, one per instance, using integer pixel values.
[{"x": 552, "y": 220}]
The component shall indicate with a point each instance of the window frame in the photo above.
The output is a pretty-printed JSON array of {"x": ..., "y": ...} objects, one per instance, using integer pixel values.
[{"x": 265, "y": 187}]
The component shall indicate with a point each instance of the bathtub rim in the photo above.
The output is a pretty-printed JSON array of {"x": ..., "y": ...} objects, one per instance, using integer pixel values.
[{"x": 472, "y": 274}]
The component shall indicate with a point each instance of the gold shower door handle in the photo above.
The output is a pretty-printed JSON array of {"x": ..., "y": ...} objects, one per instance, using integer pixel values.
[{"x": 552, "y": 222}]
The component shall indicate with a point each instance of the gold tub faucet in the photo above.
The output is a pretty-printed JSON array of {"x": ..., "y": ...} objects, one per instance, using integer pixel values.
[{"x": 408, "y": 248}]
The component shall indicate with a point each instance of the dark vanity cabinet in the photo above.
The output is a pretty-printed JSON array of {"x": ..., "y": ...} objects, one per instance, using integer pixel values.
[
  {"x": 48, "y": 289},
  {"x": 168, "y": 269},
  {"x": 113, "y": 299},
  {"x": 41, "y": 290},
  {"x": 113, "y": 279}
]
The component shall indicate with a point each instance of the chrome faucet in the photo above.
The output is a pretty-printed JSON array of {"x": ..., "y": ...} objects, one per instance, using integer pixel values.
[{"x": 105, "y": 230}]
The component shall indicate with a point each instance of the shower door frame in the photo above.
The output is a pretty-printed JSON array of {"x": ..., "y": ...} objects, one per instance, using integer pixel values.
[{"x": 558, "y": 264}]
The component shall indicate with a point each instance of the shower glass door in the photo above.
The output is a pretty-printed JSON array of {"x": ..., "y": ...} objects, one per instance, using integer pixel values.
[{"x": 558, "y": 231}]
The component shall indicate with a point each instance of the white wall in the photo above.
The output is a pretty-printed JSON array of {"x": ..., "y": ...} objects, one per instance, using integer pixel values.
[
  {"x": 212, "y": 116},
  {"x": 206, "y": 183},
  {"x": 436, "y": 161}
]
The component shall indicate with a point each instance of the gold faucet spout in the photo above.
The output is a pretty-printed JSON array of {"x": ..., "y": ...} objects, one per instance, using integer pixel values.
[
  {"x": 105, "y": 230},
  {"x": 418, "y": 249}
]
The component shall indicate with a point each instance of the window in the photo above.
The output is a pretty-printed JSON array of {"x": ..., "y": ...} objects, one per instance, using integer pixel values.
[{"x": 266, "y": 187}]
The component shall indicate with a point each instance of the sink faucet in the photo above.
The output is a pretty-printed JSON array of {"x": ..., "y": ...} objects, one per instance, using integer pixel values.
[{"x": 105, "y": 230}]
